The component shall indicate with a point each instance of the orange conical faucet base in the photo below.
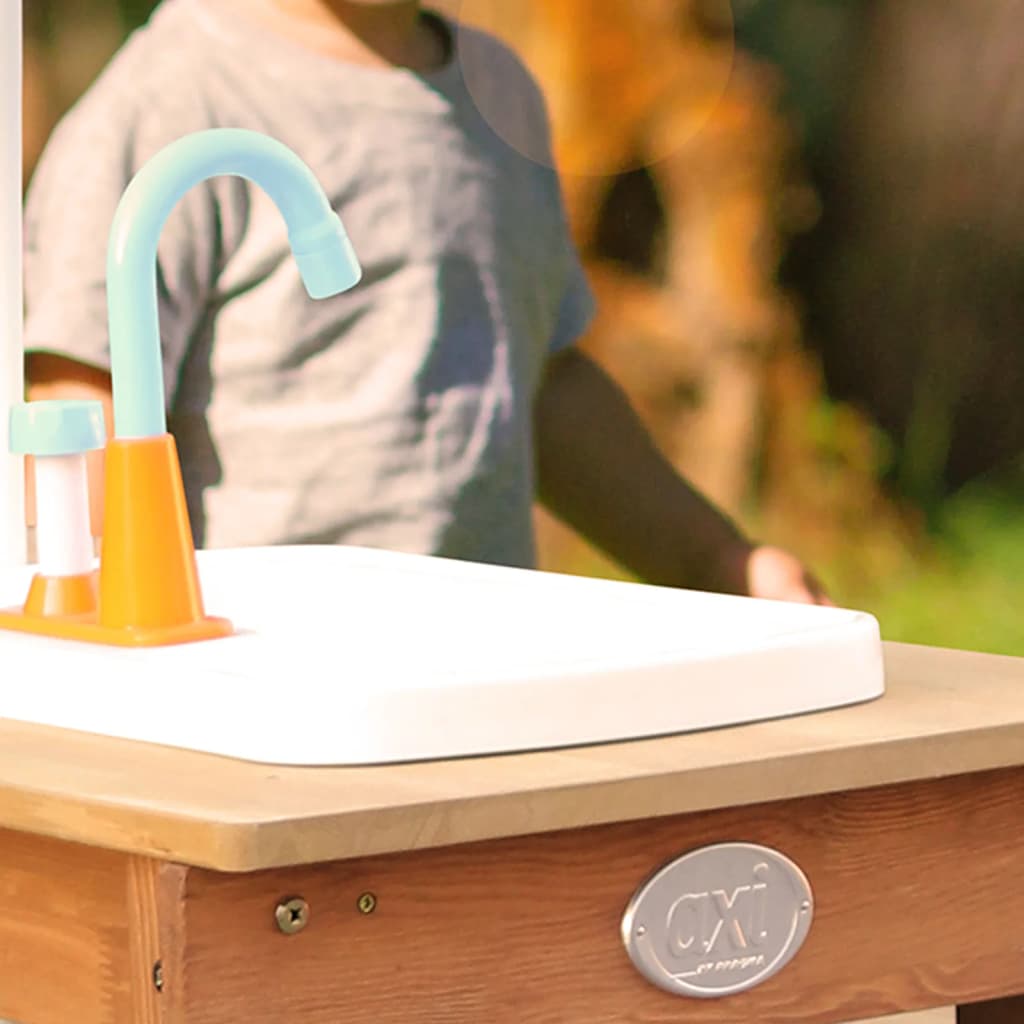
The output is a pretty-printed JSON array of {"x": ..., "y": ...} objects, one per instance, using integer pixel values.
[
  {"x": 149, "y": 592},
  {"x": 148, "y": 575},
  {"x": 149, "y": 582}
]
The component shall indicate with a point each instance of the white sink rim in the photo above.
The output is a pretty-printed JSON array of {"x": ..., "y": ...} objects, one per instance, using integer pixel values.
[{"x": 610, "y": 668}]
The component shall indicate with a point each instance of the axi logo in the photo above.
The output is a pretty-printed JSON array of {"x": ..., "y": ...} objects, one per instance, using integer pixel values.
[{"x": 718, "y": 920}]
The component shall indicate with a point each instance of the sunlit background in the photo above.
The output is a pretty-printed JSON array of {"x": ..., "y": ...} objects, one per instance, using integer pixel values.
[{"x": 805, "y": 223}]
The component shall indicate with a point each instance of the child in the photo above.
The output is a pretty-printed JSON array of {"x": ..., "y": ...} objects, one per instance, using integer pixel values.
[{"x": 423, "y": 410}]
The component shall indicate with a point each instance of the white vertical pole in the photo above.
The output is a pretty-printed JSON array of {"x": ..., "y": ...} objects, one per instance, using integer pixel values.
[
  {"x": 62, "y": 532},
  {"x": 12, "y": 383}
]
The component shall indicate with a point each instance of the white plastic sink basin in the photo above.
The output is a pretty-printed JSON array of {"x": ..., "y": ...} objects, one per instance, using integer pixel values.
[{"x": 353, "y": 656}]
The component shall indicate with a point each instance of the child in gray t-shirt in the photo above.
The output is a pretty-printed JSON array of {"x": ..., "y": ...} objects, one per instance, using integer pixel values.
[{"x": 423, "y": 410}]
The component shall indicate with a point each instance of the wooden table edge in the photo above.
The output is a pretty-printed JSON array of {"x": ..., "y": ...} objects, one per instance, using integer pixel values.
[{"x": 265, "y": 843}]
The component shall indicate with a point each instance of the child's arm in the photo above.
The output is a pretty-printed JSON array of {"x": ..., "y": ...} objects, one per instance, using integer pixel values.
[
  {"x": 600, "y": 472},
  {"x": 57, "y": 377}
]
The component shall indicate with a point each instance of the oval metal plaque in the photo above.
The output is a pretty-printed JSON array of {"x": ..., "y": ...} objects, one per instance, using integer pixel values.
[{"x": 719, "y": 920}]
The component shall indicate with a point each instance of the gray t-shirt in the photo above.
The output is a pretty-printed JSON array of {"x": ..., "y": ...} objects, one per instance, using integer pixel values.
[{"x": 397, "y": 415}]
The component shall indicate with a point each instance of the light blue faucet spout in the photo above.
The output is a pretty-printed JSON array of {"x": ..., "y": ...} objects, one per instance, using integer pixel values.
[{"x": 325, "y": 257}]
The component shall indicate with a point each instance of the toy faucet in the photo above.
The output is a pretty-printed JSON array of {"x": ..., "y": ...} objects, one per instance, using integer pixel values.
[{"x": 146, "y": 592}]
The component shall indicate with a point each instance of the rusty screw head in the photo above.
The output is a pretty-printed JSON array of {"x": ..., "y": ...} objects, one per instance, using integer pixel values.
[
  {"x": 292, "y": 915},
  {"x": 367, "y": 903}
]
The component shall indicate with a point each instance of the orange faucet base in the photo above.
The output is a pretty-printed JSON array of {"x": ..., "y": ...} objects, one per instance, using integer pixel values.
[
  {"x": 146, "y": 593},
  {"x": 86, "y": 629}
]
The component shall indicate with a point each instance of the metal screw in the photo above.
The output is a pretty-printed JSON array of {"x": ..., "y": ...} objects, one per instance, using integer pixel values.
[
  {"x": 292, "y": 915},
  {"x": 367, "y": 903},
  {"x": 158, "y": 976}
]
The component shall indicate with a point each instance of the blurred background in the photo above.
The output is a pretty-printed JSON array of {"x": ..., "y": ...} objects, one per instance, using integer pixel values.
[{"x": 804, "y": 220}]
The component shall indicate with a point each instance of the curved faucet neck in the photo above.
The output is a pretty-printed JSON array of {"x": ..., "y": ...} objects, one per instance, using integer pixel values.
[{"x": 135, "y": 349}]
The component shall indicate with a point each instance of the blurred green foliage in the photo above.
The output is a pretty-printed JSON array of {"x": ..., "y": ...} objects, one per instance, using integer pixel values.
[
  {"x": 135, "y": 12},
  {"x": 967, "y": 592},
  {"x": 42, "y": 16},
  {"x": 813, "y": 44}
]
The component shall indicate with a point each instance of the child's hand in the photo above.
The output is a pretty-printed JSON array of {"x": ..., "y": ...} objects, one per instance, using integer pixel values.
[{"x": 777, "y": 575}]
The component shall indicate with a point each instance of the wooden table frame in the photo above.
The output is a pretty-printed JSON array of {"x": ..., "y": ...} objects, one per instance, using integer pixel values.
[{"x": 140, "y": 884}]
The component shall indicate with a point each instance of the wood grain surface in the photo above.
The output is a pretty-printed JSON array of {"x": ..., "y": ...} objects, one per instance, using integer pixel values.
[
  {"x": 78, "y": 934},
  {"x": 917, "y": 905},
  {"x": 947, "y": 1015},
  {"x": 945, "y": 713}
]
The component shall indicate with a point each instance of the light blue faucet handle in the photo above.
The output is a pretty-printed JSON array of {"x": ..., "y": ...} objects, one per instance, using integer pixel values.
[
  {"x": 325, "y": 257},
  {"x": 57, "y": 428}
]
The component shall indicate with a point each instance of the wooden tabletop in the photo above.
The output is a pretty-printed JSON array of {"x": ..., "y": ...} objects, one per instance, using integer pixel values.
[{"x": 945, "y": 713}]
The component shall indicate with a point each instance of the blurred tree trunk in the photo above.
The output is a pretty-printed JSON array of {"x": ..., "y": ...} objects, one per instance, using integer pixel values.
[{"x": 921, "y": 290}]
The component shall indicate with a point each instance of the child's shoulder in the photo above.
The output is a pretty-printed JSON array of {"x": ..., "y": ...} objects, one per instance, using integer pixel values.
[
  {"x": 149, "y": 87},
  {"x": 504, "y": 89},
  {"x": 479, "y": 50}
]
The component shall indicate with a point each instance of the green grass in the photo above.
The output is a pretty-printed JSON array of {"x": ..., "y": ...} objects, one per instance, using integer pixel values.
[{"x": 969, "y": 593}]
